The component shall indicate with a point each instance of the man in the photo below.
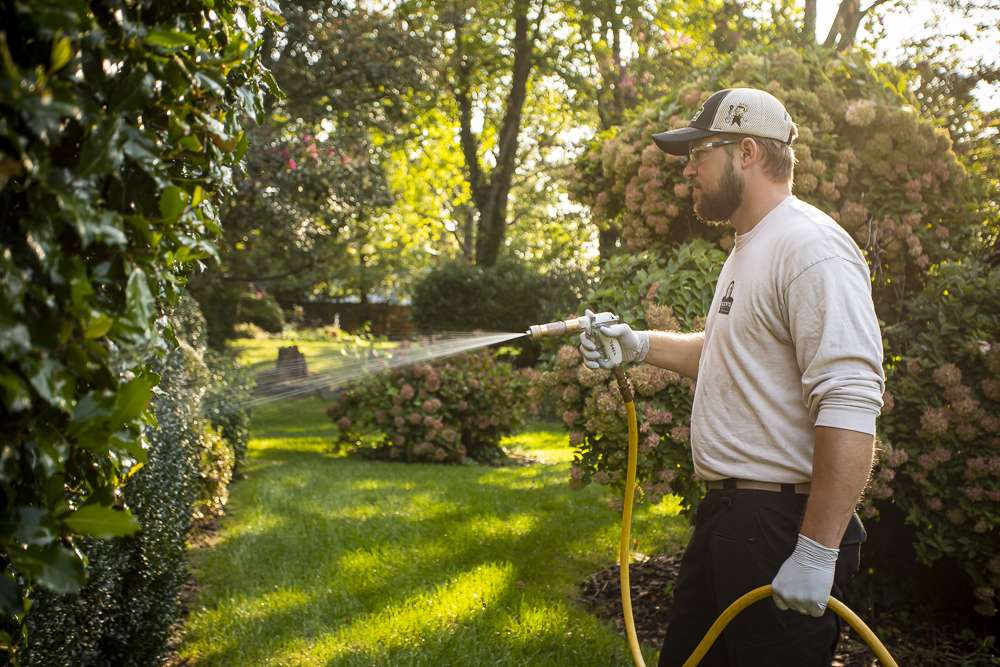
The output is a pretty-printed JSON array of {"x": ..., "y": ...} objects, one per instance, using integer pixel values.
[{"x": 789, "y": 385}]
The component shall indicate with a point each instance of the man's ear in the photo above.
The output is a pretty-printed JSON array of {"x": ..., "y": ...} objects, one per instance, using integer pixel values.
[{"x": 750, "y": 151}]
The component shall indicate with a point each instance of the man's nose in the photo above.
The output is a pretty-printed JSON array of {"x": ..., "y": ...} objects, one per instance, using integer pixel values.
[{"x": 689, "y": 170}]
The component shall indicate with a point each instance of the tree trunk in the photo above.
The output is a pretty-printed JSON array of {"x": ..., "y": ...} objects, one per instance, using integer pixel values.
[
  {"x": 607, "y": 243},
  {"x": 844, "y": 31},
  {"x": 493, "y": 215},
  {"x": 809, "y": 24}
]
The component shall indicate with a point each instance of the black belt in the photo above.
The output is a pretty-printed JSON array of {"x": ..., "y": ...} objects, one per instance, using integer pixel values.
[{"x": 731, "y": 483}]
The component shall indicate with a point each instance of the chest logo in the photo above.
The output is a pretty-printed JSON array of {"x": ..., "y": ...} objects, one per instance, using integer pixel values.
[{"x": 727, "y": 300}]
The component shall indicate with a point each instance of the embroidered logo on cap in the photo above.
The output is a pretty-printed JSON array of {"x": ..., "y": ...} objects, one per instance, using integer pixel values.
[{"x": 735, "y": 114}]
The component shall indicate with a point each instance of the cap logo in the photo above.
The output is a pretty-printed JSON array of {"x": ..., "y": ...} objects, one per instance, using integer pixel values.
[
  {"x": 735, "y": 114},
  {"x": 698, "y": 113}
]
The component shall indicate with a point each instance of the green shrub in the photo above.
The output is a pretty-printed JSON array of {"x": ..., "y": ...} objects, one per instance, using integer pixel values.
[
  {"x": 122, "y": 123},
  {"x": 225, "y": 403},
  {"x": 446, "y": 411},
  {"x": 261, "y": 309},
  {"x": 509, "y": 296},
  {"x": 941, "y": 425},
  {"x": 648, "y": 292},
  {"x": 219, "y": 302}
]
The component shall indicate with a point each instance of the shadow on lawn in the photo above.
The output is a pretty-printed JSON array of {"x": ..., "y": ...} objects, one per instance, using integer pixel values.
[{"x": 323, "y": 550}]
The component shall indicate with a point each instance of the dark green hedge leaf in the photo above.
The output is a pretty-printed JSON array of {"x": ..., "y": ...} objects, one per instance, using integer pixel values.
[
  {"x": 169, "y": 39},
  {"x": 14, "y": 339},
  {"x": 16, "y": 396},
  {"x": 134, "y": 395},
  {"x": 101, "y": 521},
  {"x": 173, "y": 201},
  {"x": 100, "y": 152},
  {"x": 29, "y": 526},
  {"x": 61, "y": 569}
]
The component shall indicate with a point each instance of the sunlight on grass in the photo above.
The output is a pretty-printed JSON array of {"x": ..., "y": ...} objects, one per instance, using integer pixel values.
[
  {"x": 545, "y": 442},
  {"x": 406, "y": 623},
  {"x": 324, "y": 559}
]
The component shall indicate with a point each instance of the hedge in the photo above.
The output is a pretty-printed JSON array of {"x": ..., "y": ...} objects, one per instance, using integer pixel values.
[
  {"x": 124, "y": 613},
  {"x": 120, "y": 125}
]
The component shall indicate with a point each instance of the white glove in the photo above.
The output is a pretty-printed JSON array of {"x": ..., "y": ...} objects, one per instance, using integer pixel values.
[
  {"x": 635, "y": 345},
  {"x": 804, "y": 581}
]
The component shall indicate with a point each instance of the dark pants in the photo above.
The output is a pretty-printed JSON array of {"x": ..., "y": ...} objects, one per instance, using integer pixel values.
[{"x": 741, "y": 538}]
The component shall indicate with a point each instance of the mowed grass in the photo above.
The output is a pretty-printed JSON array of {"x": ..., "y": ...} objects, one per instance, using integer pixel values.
[
  {"x": 322, "y": 356},
  {"x": 328, "y": 560}
]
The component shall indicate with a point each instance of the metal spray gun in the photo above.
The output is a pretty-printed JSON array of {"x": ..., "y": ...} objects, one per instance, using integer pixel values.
[{"x": 592, "y": 325}]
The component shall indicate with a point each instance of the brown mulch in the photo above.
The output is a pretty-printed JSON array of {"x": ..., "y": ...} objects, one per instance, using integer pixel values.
[{"x": 651, "y": 579}]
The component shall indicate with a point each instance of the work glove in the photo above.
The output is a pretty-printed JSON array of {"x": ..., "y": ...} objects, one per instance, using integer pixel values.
[
  {"x": 635, "y": 345},
  {"x": 804, "y": 581}
]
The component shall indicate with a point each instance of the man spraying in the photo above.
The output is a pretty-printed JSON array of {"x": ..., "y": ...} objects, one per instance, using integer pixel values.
[{"x": 789, "y": 385}]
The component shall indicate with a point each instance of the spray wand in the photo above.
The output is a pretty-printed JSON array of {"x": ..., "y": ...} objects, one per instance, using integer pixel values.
[{"x": 592, "y": 325}]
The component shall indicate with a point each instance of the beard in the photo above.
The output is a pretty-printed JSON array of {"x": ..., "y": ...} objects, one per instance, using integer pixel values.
[{"x": 715, "y": 208}]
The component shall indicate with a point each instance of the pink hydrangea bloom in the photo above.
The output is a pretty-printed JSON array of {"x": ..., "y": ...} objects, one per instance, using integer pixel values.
[{"x": 948, "y": 375}]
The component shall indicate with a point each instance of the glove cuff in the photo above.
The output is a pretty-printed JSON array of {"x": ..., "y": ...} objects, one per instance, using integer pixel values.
[
  {"x": 812, "y": 553},
  {"x": 643, "y": 337}
]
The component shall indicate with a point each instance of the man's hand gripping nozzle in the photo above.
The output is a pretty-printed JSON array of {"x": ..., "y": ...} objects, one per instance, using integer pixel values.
[{"x": 593, "y": 336}]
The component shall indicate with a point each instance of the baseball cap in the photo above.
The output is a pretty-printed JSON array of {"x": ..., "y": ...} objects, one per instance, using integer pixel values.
[{"x": 735, "y": 111}]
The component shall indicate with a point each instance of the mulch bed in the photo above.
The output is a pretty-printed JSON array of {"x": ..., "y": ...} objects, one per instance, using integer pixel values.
[{"x": 651, "y": 579}]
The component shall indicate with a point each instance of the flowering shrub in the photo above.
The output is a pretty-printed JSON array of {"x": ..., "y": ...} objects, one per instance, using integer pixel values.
[
  {"x": 865, "y": 156},
  {"x": 648, "y": 293},
  {"x": 941, "y": 424},
  {"x": 447, "y": 411}
]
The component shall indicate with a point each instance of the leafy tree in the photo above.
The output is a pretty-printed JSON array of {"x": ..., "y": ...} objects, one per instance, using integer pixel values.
[{"x": 313, "y": 196}]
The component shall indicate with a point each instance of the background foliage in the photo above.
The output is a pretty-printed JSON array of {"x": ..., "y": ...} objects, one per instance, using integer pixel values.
[
  {"x": 120, "y": 126},
  {"x": 941, "y": 428}
]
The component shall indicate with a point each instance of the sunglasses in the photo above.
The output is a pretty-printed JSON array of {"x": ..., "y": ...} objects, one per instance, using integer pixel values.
[{"x": 698, "y": 153}]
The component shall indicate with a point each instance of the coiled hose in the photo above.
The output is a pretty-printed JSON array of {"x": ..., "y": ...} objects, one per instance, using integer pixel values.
[{"x": 842, "y": 610}]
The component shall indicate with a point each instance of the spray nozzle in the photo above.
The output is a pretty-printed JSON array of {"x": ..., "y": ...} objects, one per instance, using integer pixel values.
[
  {"x": 592, "y": 323},
  {"x": 588, "y": 323}
]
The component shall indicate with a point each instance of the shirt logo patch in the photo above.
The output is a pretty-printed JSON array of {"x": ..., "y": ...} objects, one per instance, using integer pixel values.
[{"x": 727, "y": 300}]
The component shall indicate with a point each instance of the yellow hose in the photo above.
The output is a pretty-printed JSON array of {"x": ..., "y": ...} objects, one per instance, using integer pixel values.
[
  {"x": 732, "y": 610},
  {"x": 623, "y": 549}
]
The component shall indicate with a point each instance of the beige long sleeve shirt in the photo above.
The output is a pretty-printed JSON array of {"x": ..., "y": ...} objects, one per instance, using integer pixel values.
[{"x": 791, "y": 342}]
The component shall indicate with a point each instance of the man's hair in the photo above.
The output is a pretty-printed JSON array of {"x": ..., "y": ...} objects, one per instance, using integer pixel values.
[{"x": 779, "y": 157}]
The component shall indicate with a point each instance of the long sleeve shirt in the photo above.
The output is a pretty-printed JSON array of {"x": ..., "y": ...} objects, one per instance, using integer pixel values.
[{"x": 791, "y": 342}]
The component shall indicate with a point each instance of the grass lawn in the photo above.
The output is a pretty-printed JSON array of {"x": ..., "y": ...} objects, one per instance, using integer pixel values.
[
  {"x": 327, "y": 560},
  {"x": 260, "y": 354}
]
